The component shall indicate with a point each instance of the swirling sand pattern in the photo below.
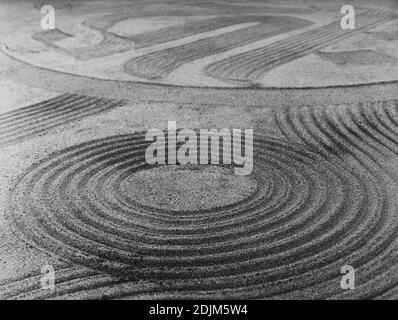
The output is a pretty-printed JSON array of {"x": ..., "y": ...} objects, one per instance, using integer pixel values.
[
  {"x": 161, "y": 63},
  {"x": 112, "y": 43},
  {"x": 253, "y": 65},
  {"x": 326, "y": 197},
  {"x": 277, "y": 24}
]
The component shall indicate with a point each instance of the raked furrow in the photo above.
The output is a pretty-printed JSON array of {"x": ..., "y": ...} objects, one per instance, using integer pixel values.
[
  {"x": 161, "y": 63},
  {"x": 251, "y": 66},
  {"x": 196, "y": 27},
  {"x": 29, "y": 121},
  {"x": 363, "y": 137},
  {"x": 326, "y": 197}
]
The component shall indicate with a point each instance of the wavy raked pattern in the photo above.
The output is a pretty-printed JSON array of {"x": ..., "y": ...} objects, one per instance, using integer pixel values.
[
  {"x": 196, "y": 27},
  {"x": 106, "y": 21},
  {"x": 31, "y": 120},
  {"x": 113, "y": 43},
  {"x": 253, "y": 65},
  {"x": 326, "y": 197},
  {"x": 29, "y": 286},
  {"x": 365, "y": 138},
  {"x": 161, "y": 63},
  {"x": 71, "y": 283},
  {"x": 74, "y": 282}
]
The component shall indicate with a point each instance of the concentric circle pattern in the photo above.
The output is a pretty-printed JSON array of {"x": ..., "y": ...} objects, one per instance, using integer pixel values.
[{"x": 325, "y": 197}]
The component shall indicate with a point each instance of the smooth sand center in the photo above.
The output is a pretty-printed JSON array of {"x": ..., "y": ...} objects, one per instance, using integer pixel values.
[{"x": 187, "y": 187}]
